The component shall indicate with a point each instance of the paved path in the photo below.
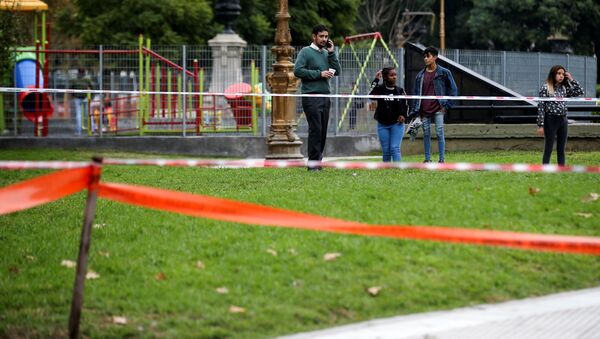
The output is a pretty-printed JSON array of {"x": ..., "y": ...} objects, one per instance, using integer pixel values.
[{"x": 561, "y": 316}]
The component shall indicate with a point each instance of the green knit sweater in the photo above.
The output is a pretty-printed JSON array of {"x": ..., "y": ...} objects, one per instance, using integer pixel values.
[{"x": 309, "y": 65}]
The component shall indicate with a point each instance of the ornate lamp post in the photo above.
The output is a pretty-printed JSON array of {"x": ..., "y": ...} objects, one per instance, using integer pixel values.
[
  {"x": 283, "y": 142},
  {"x": 442, "y": 26},
  {"x": 226, "y": 11}
]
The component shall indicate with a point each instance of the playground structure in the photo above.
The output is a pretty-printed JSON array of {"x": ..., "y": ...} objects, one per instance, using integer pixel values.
[
  {"x": 31, "y": 69},
  {"x": 349, "y": 41},
  {"x": 170, "y": 97},
  {"x": 196, "y": 113}
]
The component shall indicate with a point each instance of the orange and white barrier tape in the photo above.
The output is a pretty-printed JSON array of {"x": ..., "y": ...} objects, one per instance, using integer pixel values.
[
  {"x": 260, "y": 163},
  {"x": 47, "y": 188},
  {"x": 248, "y": 213},
  {"x": 44, "y": 189},
  {"x": 19, "y": 165}
]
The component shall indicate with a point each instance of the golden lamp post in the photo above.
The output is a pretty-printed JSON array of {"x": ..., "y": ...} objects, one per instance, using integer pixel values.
[
  {"x": 283, "y": 142},
  {"x": 442, "y": 26}
]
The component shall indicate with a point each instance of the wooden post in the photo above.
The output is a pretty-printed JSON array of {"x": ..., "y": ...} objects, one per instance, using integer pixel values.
[{"x": 84, "y": 248}]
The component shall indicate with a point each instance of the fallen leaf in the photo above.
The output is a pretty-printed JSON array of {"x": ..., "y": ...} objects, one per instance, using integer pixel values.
[
  {"x": 331, "y": 256},
  {"x": 30, "y": 257},
  {"x": 68, "y": 263},
  {"x": 200, "y": 265},
  {"x": 272, "y": 252},
  {"x": 590, "y": 197},
  {"x": 119, "y": 320},
  {"x": 104, "y": 254},
  {"x": 236, "y": 309},
  {"x": 92, "y": 275},
  {"x": 222, "y": 290},
  {"x": 293, "y": 251},
  {"x": 534, "y": 190},
  {"x": 160, "y": 276},
  {"x": 99, "y": 225},
  {"x": 13, "y": 269},
  {"x": 346, "y": 313},
  {"x": 374, "y": 291},
  {"x": 585, "y": 215}
]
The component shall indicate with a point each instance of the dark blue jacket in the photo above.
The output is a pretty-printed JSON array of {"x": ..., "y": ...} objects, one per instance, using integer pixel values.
[{"x": 443, "y": 84}]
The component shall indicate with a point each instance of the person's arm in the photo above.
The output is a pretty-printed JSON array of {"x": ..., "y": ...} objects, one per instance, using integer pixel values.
[
  {"x": 403, "y": 107},
  {"x": 573, "y": 88},
  {"x": 375, "y": 85},
  {"x": 412, "y": 104},
  {"x": 301, "y": 71},
  {"x": 333, "y": 60},
  {"x": 542, "y": 110},
  {"x": 452, "y": 90}
]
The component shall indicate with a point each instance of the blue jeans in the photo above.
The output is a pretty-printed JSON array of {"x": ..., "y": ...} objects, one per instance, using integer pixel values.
[
  {"x": 439, "y": 131},
  {"x": 390, "y": 137}
]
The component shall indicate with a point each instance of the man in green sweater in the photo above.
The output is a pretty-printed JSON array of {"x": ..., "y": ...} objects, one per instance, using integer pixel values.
[{"x": 315, "y": 65}]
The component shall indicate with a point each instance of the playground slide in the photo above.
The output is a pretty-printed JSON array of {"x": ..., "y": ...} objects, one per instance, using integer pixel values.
[{"x": 33, "y": 104}]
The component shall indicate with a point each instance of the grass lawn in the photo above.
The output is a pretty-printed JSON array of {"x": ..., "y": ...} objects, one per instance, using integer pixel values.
[{"x": 147, "y": 260}]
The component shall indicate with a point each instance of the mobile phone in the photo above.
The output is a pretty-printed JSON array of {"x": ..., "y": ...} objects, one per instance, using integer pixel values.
[{"x": 328, "y": 43}]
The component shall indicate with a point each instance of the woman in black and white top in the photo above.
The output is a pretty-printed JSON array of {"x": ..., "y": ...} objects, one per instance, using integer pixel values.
[{"x": 552, "y": 115}]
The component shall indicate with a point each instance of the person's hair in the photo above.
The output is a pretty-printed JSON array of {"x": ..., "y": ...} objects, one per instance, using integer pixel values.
[
  {"x": 551, "y": 80},
  {"x": 319, "y": 28},
  {"x": 386, "y": 71},
  {"x": 431, "y": 51}
]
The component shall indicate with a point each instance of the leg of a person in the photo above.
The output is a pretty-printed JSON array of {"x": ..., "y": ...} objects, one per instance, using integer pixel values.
[
  {"x": 427, "y": 137},
  {"x": 439, "y": 131},
  {"x": 549, "y": 135},
  {"x": 396, "y": 135},
  {"x": 313, "y": 117},
  {"x": 325, "y": 105},
  {"x": 352, "y": 115},
  {"x": 384, "y": 131},
  {"x": 77, "y": 102},
  {"x": 561, "y": 140}
]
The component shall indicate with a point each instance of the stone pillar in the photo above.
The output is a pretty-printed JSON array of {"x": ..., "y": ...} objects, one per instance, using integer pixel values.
[
  {"x": 283, "y": 142},
  {"x": 227, "y": 50}
]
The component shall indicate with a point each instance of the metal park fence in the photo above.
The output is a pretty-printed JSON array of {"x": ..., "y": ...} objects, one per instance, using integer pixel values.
[{"x": 174, "y": 70}]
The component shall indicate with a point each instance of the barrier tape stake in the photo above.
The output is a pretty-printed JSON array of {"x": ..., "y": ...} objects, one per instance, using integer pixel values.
[{"x": 84, "y": 248}]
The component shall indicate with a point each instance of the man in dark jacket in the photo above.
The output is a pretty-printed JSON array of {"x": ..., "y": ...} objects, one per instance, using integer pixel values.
[{"x": 433, "y": 80}]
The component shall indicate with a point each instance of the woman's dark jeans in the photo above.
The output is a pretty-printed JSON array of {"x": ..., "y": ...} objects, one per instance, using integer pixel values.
[{"x": 555, "y": 127}]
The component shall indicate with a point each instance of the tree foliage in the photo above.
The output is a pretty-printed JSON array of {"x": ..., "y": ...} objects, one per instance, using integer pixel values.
[
  {"x": 191, "y": 22},
  {"x": 256, "y": 24},
  {"x": 122, "y": 21},
  {"x": 338, "y": 15},
  {"x": 527, "y": 24},
  {"x": 12, "y": 33},
  {"x": 395, "y": 19}
]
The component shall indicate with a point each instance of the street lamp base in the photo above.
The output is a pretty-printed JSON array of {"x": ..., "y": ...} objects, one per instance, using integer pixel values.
[{"x": 284, "y": 150}]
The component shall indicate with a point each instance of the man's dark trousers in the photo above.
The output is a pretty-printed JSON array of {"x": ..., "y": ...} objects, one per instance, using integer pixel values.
[{"x": 316, "y": 110}]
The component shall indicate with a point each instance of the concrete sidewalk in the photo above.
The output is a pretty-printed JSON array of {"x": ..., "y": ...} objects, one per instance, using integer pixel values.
[{"x": 562, "y": 316}]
